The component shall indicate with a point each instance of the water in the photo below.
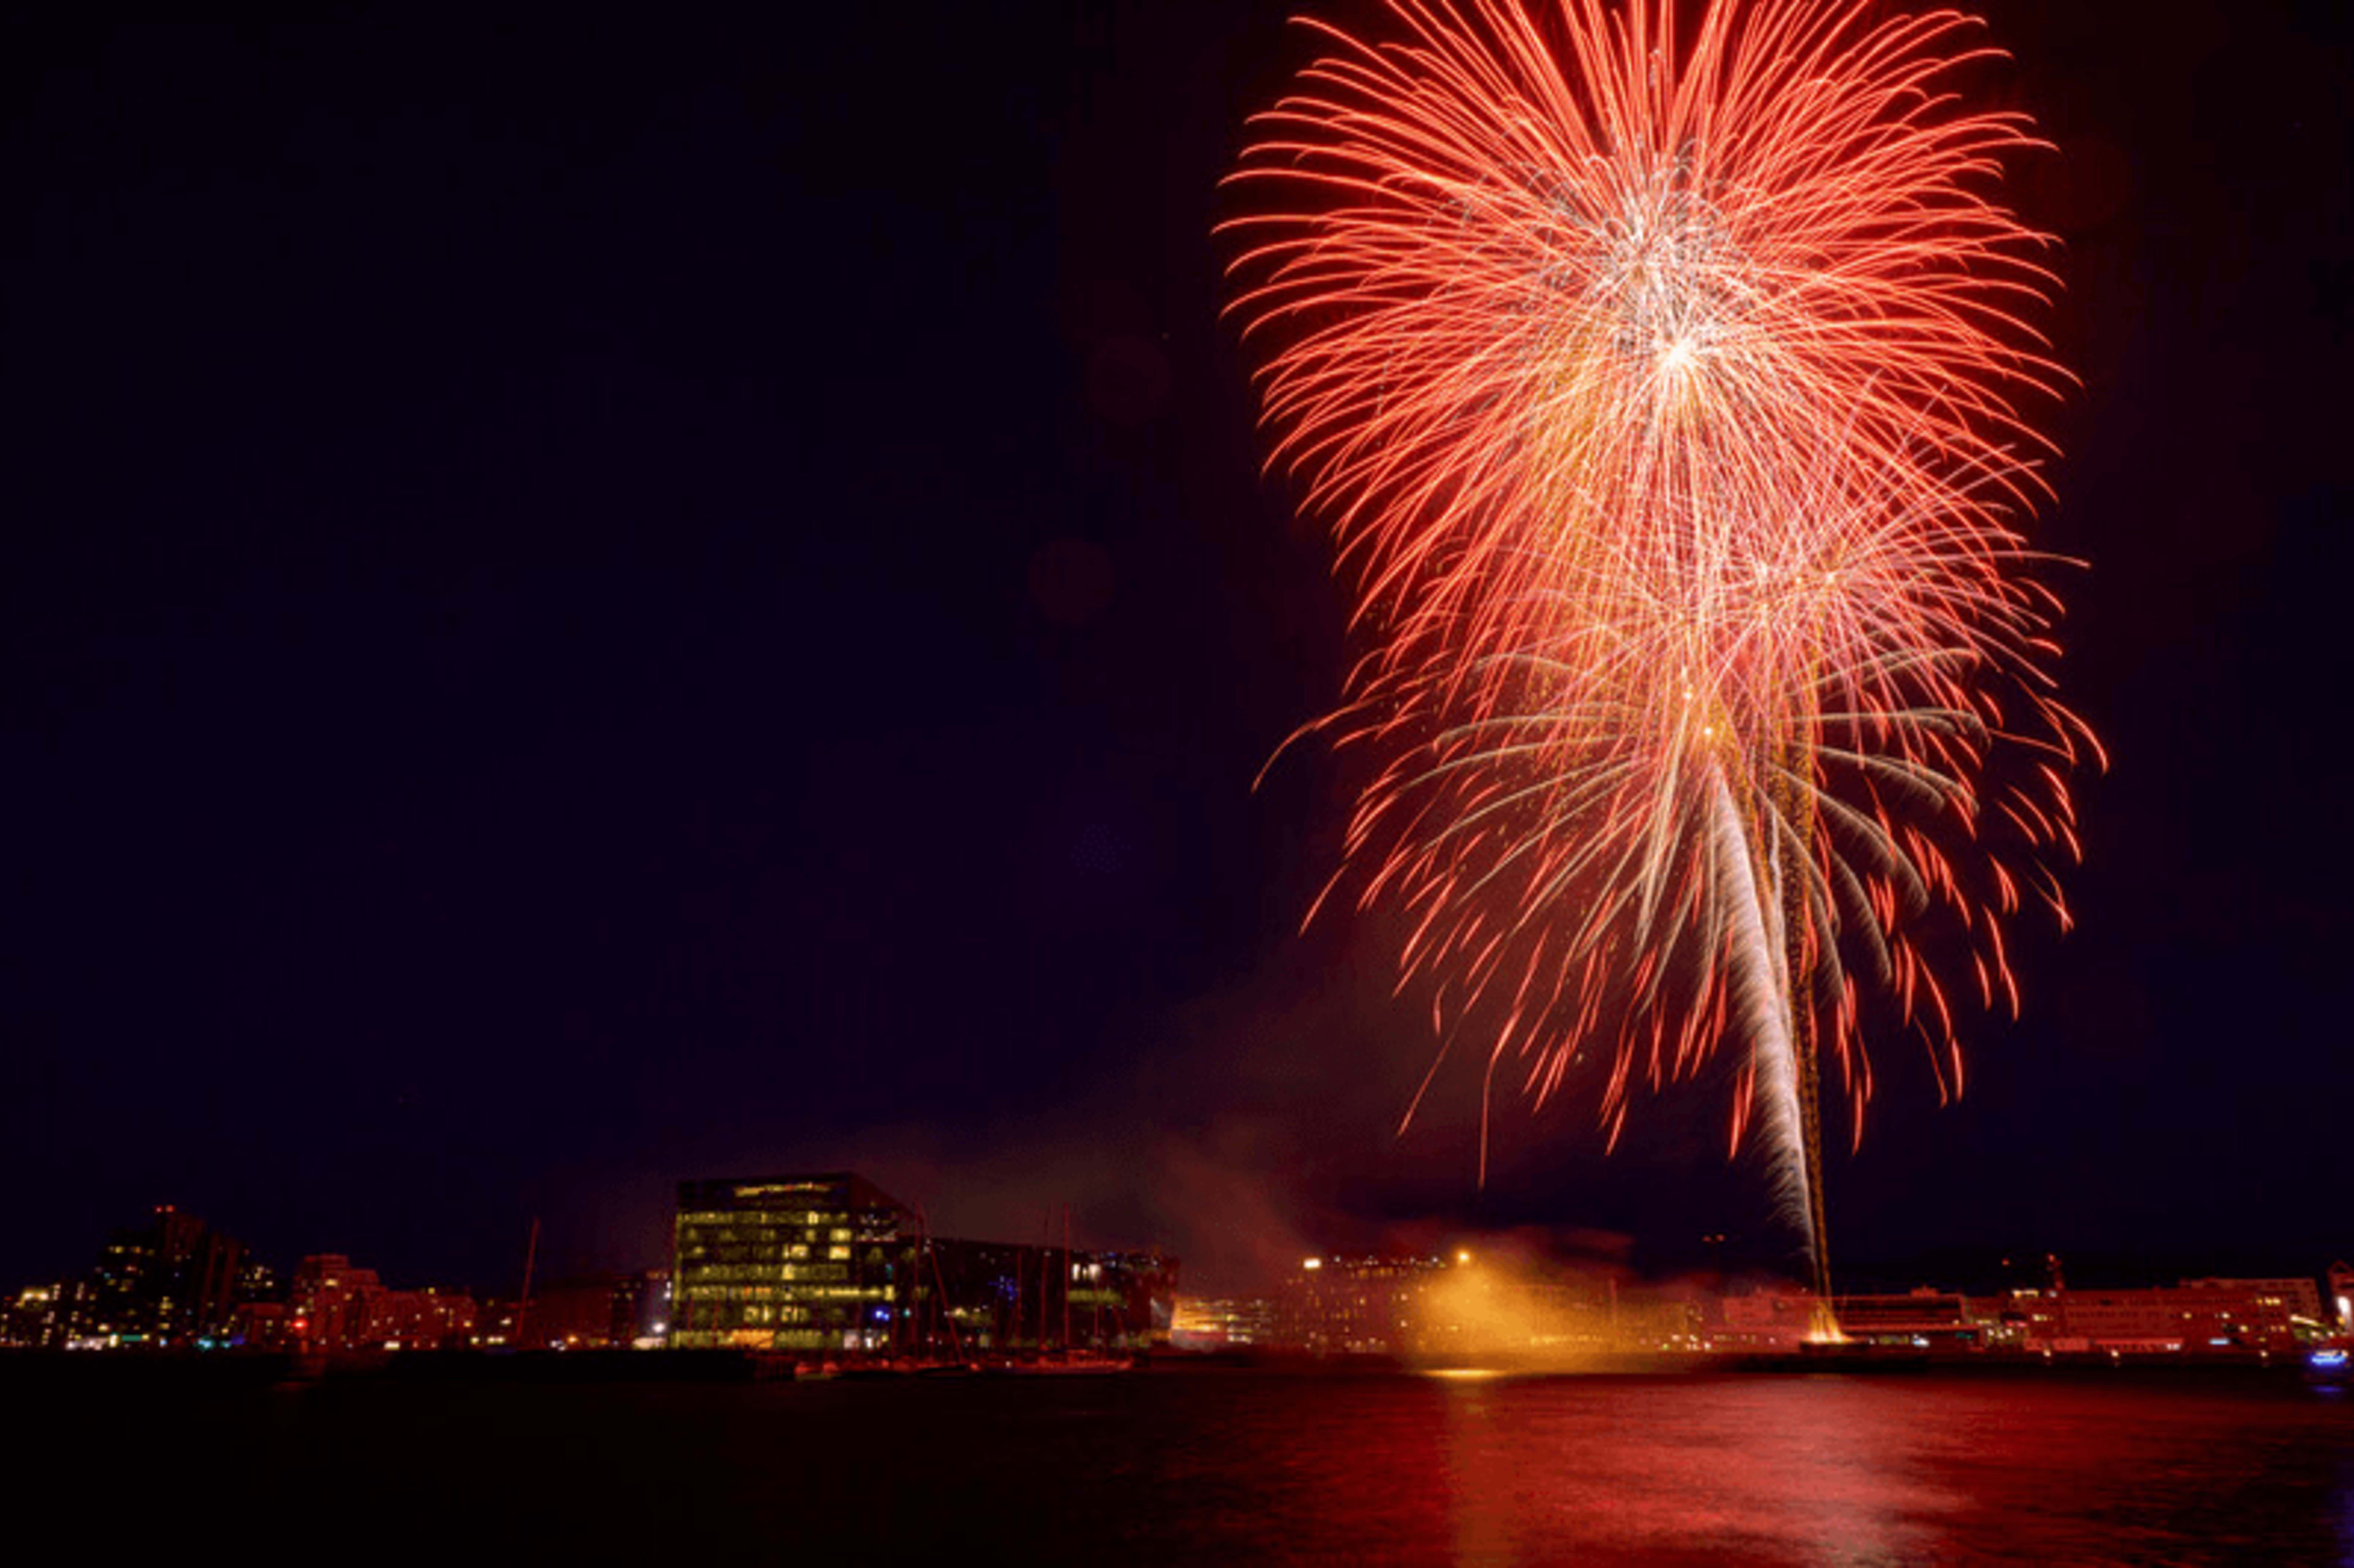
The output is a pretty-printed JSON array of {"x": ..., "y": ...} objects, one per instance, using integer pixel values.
[{"x": 1207, "y": 1468}]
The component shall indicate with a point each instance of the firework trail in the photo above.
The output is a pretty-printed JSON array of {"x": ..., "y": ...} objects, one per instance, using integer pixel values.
[{"x": 1663, "y": 392}]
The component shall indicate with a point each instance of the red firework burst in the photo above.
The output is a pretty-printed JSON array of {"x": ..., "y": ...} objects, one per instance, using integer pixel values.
[{"x": 1664, "y": 393}]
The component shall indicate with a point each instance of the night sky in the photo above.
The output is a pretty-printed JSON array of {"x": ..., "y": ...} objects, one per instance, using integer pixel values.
[{"x": 590, "y": 605}]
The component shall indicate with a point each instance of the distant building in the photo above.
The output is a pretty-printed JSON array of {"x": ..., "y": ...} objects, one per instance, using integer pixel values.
[
  {"x": 263, "y": 1326},
  {"x": 41, "y": 1316},
  {"x": 427, "y": 1319},
  {"x": 2341, "y": 1296},
  {"x": 1762, "y": 1321},
  {"x": 1925, "y": 1317},
  {"x": 2195, "y": 1316},
  {"x": 330, "y": 1303},
  {"x": 170, "y": 1283},
  {"x": 1355, "y": 1305},
  {"x": 1460, "y": 1308},
  {"x": 1250, "y": 1322},
  {"x": 831, "y": 1264},
  {"x": 641, "y": 1308},
  {"x": 497, "y": 1325},
  {"x": 601, "y": 1311},
  {"x": 335, "y": 1308},
  {"x": 569, "y": 1315}
]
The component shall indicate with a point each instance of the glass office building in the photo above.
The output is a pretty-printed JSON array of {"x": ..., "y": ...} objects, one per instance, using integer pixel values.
[
  {"x": 811, "y": 1264},
  {"x": 829, "y": 1266}
]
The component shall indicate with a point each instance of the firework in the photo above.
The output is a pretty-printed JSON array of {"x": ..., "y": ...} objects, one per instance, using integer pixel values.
[{"x": 1665, "y": 394}]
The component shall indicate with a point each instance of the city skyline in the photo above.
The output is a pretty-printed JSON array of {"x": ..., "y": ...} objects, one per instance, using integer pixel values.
[
  {"x": 584, "y": 609},
  {"x": 814, "y": 1268}
]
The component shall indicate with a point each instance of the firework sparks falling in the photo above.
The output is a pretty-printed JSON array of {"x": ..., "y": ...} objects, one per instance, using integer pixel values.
[{"x": 1664, "y": 393}]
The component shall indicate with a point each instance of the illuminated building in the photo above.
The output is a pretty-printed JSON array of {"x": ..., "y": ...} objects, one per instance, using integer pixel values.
[
  {"x": 830, "y": 1264},
  {"x": 330, "y": 1300},
  {"x": 1460, "y": 1308},
  {"x": 40, "y": 1317},
  {"x": 1925, "y": 1318},
  {"x": 1240, "y": 1323},
  {"x": 1762, "y": 1321},
  {"x": 2194, "y": 1317},
  {"x": 1354, "y": 1305},
  {"x": 170, "y": 1283},
  {"x": 495, "y": 1326},
  {"x": 790, "y": 1262},
  {"x": 335, "y": 1308},
  {"x": 427, "y": 1319},
  {"x": 2197, "y": 1315},
  {"x": 2341, "y": 1296},
  {"x": 1539, "y": 1311},
  {"x": 263, "y": 1326}
]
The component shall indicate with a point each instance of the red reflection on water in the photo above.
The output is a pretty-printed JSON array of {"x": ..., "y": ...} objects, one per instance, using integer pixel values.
[
  {"x": 1768, "y": 1470},
  {"x": 1765, "y": 1466}
]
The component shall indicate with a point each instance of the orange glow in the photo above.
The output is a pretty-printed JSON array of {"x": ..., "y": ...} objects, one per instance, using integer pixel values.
[
  {"x": 1663, "y": 393},
  {"x": 1509, "y": 1314}
]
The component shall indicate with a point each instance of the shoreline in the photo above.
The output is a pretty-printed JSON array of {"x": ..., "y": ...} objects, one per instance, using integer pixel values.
[{"x": 541, "y": 1368}]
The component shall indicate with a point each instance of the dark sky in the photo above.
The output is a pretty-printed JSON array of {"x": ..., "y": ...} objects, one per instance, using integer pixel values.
[{"x": 585, "y": 606}]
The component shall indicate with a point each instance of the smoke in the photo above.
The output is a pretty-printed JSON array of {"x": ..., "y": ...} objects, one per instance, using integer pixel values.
[
  {"x": 1504, "y": 1304},
  {"x": 1764, "y": 987}
]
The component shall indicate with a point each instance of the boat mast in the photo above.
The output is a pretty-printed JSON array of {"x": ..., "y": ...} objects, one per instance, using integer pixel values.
[{"x": 530, "y": 1257}]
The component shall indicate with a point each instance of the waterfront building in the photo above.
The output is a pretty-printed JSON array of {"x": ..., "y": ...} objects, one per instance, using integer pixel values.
[
  {"x": 335, "y": 1308},
  {"x": 597, "y": 1311},
  {"x": 1945, "y": 1320},
  {"x": 41, "y": 1316},
  {"x": 1225, "y": 1323},
  {"x": 170, "y": 1283},
  {"x": 263, "y": 1326},
  {"x": 1134, "y": 1296},
  {"x": 570, "y": 1315},
  {"x": 329, "y": 1301},
  {"x": 1365, "y": 1306},
  {"x": 813, "y": 1264},
  {"x": 430, "y": 1318},
  {"x": 1761, "y": 1321},
  {"x": 642, "y": 1309},
  {"x": 1462, "y": 1308},
  {"x": 497, "y": 1324},
  {"x": 830, "y": 1264},
  {"x": 2195, "y": 1317}
]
